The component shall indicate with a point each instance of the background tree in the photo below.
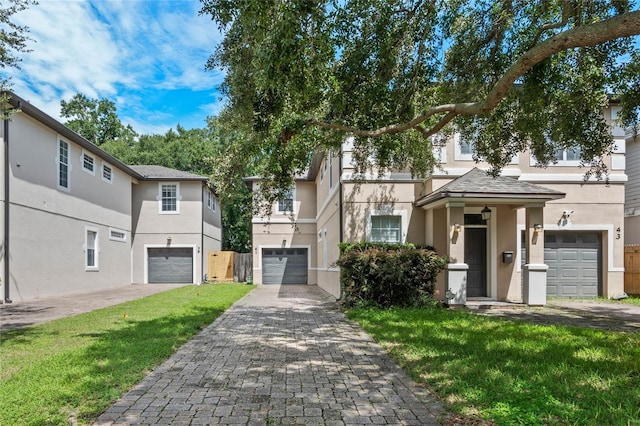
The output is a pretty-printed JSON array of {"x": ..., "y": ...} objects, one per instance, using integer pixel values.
[
  {"x": 13, "y": 41},
  {"x": 95, "y": 119},
  {"x": 509, "y": 75}
]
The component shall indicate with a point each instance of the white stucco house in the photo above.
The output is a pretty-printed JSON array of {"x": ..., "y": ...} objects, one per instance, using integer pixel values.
[{"x": 75, "y": 219}]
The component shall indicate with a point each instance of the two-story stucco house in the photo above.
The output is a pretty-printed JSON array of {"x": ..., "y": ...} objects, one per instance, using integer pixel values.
[
  {"x": 530, "y": 234},
  {"x": 75, "y": 219}
]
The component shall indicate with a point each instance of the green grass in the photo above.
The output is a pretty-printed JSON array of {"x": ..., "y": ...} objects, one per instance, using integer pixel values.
[
  {"x": 511, "y": 372},
  {"x": 72, "y": 369}
]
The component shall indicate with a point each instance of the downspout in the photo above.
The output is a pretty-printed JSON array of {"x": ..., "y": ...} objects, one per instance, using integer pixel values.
[
  {"x": 340, "y": 209},
  {"x": 7, "y": 298},
  {"x": 203, "y": 193}
]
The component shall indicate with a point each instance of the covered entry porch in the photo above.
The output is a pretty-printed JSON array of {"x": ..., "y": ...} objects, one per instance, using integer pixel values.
[{"x": 474, "y": 220}]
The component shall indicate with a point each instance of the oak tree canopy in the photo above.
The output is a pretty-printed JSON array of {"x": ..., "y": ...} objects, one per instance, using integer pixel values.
[{"x": 509, "y": 75}]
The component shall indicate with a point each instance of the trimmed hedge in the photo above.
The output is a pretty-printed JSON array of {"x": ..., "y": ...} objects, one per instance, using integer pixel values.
[{"x": 388, "y": 275}]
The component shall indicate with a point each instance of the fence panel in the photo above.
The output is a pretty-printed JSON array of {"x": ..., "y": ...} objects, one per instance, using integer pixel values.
[
  {"x": 632, "y": 269},
  {"x": 243, "y": 267}
]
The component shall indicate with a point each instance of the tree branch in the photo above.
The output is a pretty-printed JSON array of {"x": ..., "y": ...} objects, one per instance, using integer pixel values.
[{"x": 625, "y": 25}]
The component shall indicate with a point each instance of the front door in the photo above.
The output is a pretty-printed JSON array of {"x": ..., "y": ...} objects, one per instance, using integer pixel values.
[{"x": 475, "y": 255}]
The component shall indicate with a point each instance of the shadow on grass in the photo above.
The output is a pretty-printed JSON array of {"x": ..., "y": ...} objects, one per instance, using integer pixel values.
[
  {"x": 513, "y": 372},
  {"x": 90, "y": 378}
]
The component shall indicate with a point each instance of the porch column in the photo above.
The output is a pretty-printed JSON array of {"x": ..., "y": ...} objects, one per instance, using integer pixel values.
[
  {"x": 456, "y": 274},
  {"x": 535, "y": 271}
]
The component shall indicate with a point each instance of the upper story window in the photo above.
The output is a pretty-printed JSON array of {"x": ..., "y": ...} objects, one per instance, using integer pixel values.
[
  {"x": 386, "y": 229},
  {"x": 330, "y": 169},
  {"x": 211, "y": 201},
  {"x": 64, "y": 167},
  {"x": 569, "y": 157},
  {"x": 463, "y": 149},
  {"x": 88, "y": 163},
  {"x": 107, "y": 173},
  {"x": 285, "y": 205},
  {"x": 169, "y": 198}
]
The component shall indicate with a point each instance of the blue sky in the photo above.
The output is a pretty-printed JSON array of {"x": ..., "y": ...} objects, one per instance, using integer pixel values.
[{"x": 147, "y": 56}]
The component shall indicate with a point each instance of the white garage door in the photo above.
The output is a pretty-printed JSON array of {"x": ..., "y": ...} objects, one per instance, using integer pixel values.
[
  {"x": 170, "y": 265},
  {"x": 574, "y": 260},
  {"x": 284, "y": 266}
]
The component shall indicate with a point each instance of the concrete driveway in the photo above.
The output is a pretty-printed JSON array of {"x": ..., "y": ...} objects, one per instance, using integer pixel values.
[{"x": 606, "y": 315}]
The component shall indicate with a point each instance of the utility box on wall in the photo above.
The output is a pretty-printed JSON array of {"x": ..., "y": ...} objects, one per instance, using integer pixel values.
[{"x": 507, "y": 257}]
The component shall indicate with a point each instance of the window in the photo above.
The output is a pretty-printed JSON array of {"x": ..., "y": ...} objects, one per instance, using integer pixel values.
[
  {"x": 91, "y": 245},
  {"x": 285, "y": 205},
  {"x": 386, "y": 229},
  {"x": 88, "y": 163},
  {"x": 63, "y": 165},
  {"x": 211, "y": 201},
  {"x": 569, "y": 156},
  {"x": 169, "y": 198},
  {"x": 107, "y": 173},
  {"x": 330, "y": 169},
  {"x": 117, "y": 235},
  {"x": 463, "y": 149}
]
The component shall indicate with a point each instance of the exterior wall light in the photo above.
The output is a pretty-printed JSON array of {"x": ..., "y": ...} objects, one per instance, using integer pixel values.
[
  {"x": 486, "y": 213},
  {"x": 537, "y": 228}
]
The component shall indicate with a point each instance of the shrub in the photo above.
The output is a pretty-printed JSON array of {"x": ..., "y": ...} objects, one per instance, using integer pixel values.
[{"x": 388, "y": 274}]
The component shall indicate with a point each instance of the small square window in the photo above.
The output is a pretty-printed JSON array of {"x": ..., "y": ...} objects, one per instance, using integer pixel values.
[
  {"x": 88, "y": 163},
  {"x": 285, "y": 205},
  {"x": 386, "y": 229},
  {"x": 107, "y": 173}
]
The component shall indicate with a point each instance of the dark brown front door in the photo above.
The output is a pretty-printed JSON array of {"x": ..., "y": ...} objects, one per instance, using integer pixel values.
[{"x": 475, "y": 255}]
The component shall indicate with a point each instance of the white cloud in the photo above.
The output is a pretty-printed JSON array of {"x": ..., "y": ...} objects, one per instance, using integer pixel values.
[{"x": 121, "y": 50}]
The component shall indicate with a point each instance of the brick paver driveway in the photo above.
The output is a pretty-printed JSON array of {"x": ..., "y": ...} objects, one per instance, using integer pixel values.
[{"x": 281, "y": 355}]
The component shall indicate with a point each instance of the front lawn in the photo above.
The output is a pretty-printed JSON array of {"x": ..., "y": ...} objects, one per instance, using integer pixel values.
[
  {"x": 512, "y": 372},
  {"x": 72, "y": 369}
]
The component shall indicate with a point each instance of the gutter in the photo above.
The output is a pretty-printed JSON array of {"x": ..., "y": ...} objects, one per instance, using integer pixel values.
[
  {"x": 7, "y": 295},
  {"x": 341, "y": 206}
]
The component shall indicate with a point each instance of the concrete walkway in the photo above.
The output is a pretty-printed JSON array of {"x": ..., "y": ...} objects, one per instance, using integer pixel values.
[{"x": 281, "y": 355}]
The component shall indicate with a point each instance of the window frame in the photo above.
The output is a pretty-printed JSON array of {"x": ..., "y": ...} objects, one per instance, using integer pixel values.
[
  {"x": 280, "y": 210},
  {"x": 95, "y": 249},
  {"x": 177, "y": 198},
  {"x": 388, "y": 211},
  {"x": 66, "y": 163},
  {"x": 122, "y": 239},
  {"x": 83, "y": 157},
  {"x": 102, "y": 170}
]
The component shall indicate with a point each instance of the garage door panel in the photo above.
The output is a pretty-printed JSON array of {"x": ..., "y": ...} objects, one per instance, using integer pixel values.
[
  {"x": 568, "y": 255},
  {"x": 590, "y": 256},
  {"x": 569, "y": 273}
]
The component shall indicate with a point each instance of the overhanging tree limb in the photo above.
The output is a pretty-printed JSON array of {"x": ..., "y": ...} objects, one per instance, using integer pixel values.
[{"x": 625, "y": 25}]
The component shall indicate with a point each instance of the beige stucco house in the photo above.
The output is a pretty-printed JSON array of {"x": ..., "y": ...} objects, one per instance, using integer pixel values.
[
  {"x": 75, "y": 219},
  {"x": 547, "y": 232}
]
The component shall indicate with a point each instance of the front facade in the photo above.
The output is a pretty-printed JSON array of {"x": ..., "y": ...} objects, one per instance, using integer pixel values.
[
  {"x": 549, "y": 233},
  {"x": 69, "y": 212},
  {"x": 176, "y": 221}
]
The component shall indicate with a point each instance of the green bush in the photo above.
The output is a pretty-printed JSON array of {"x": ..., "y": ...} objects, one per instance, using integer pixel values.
[{"x": 388, "y": 274}]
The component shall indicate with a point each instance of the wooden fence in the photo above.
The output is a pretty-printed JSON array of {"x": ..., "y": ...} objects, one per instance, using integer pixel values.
[
  {"x": 632, "y": 269},
  {"x": 229, "y": 266}
]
